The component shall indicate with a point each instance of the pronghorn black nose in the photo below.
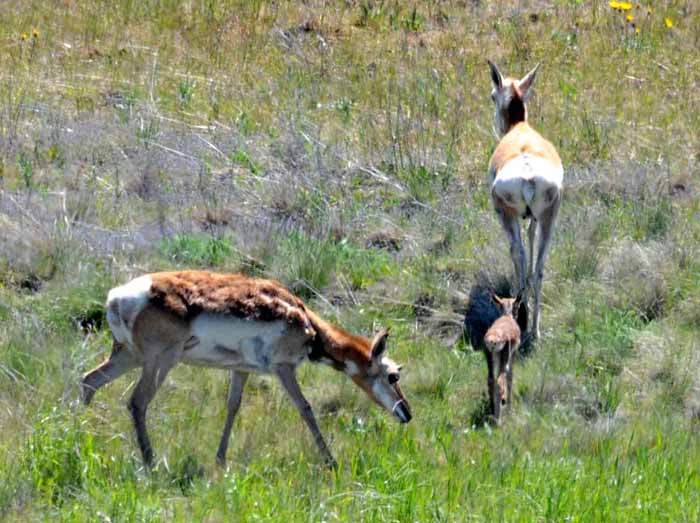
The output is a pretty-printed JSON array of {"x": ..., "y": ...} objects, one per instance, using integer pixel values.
[{"x": 403, "y": 412}]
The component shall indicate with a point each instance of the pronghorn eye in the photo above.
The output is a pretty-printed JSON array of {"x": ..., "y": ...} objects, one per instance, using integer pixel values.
[{"x": 393, "y": 377}]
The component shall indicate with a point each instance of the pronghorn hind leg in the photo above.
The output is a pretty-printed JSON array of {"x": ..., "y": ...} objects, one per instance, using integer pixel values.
[
  {"x": 546, "y": 222},
  {"x": 531, "y": 233},
  {"x": 287, "y": 376},
  {"x": 155, "y": 370},
  {"x": 120, "y": 361},
  {"x": 235, "y": 392},
  {"x": 517, "y": 251}
]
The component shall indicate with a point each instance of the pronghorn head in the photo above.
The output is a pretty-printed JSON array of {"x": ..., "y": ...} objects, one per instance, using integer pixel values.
[
  {"x": 507, "y": 306},
  {"x": 510, "y": 96},
  {"x": 380, "y": 379}
]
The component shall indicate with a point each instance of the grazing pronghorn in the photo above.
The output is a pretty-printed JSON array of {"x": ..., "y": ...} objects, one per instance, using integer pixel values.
[
  {"x": 527, "y": 175},
  {"x": 238, "y": 323},
  {"x": 502, "y": 340}
]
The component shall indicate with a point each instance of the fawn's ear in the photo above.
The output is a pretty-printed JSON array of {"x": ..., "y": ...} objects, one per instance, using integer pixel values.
[
  {"x": 496, "y": 76},
  {"x": 517, "y": 301},
  {"x": 525, "y": 83},
  {"x": 495, "y": 299}
]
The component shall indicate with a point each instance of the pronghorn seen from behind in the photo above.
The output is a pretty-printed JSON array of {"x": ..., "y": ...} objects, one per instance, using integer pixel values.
[
  {"x": 501, "y": 341},
  {"x": 526, "y": 175},
  {"x": 238, "y": 323}
]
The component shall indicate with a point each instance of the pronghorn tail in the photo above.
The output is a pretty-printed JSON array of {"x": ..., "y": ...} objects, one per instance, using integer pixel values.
[{"x": 529, "y": 191}]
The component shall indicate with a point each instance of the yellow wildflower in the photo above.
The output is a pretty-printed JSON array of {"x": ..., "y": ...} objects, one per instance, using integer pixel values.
[
  {"x": 615, "y": 5},
  {"x": 35, "y": 33},
  {"x": 637, "y": 30},
  {"x": 24, "y": 36},
  {"x": 625, "y": 6},
  {"x": 668, "y": 22},
  {"x": 630, "y": 17}
]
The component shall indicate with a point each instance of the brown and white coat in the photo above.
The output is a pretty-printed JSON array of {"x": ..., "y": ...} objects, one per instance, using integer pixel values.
[{"x": 238, "y": 323}]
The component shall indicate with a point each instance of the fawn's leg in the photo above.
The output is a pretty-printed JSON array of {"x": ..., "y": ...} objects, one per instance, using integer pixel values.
[{"x": 492, "y": 358}]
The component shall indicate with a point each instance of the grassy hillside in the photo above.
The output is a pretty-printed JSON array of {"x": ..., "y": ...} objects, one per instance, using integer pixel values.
[{"x": 341, "y": 147}]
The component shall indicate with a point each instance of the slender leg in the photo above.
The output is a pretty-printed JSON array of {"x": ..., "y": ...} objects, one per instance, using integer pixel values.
[
  {"x": 509, "y": 370},
  {"x": 287, "y": 376},
  {"x": 491, "y": 382},
  {"x": 154, "y": 372},
  {"x": 503, "y": 376},
  {"x": 546, "y": 221},
  {"x": 235, "y": 392},
  {"x": 494, "y": 389},
  {"x": 517, "y": 250},
  {"x": 120, "y": 361},
  {"x": 531, "y": 231}
]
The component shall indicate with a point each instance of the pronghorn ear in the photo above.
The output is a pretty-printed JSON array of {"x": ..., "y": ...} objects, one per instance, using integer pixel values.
[
  {"x": 496, "y": 76},
  {"x": 517, "y": 301},
  {"x": 526, "y": 82},
  {"x": 496, "y": 299},
  {"x": 379, "y": 344}
]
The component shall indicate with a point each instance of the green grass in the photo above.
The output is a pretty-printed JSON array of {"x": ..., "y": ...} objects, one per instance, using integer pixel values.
[{"x": 342, "y": 148}]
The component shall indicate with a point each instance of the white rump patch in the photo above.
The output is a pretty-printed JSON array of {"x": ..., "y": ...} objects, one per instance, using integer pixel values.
[
  {"x": 124, "y": 303},
  {"x": 524, "y": 181},
  {"x": 528, "y": 166}
]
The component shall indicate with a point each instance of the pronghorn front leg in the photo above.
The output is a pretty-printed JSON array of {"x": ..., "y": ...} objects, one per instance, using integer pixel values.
[
  {"x": 235, "y": 392},
  {"x": 546, "y": 221},
  {"x": 491, "y": 362},
  {"x": 155, "y": 370},
  {"x": 286, "y": 374},
  {"x": 120, "y": 361}
]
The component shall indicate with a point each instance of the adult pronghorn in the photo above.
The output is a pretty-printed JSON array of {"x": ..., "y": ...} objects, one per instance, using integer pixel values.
[
  {"x": 527, "y": 175},
  {"x": 239, "y": 323}
]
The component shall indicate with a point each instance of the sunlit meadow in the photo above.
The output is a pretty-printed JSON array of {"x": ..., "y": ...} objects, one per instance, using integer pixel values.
[{"x": 342, "y": 148}]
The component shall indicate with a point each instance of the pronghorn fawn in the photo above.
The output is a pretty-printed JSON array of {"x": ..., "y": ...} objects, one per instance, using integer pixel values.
[
  {"x": 238, "y": 323},
  {"x": 501, "y": 341},
  {"x": 527, "y": 175}
]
